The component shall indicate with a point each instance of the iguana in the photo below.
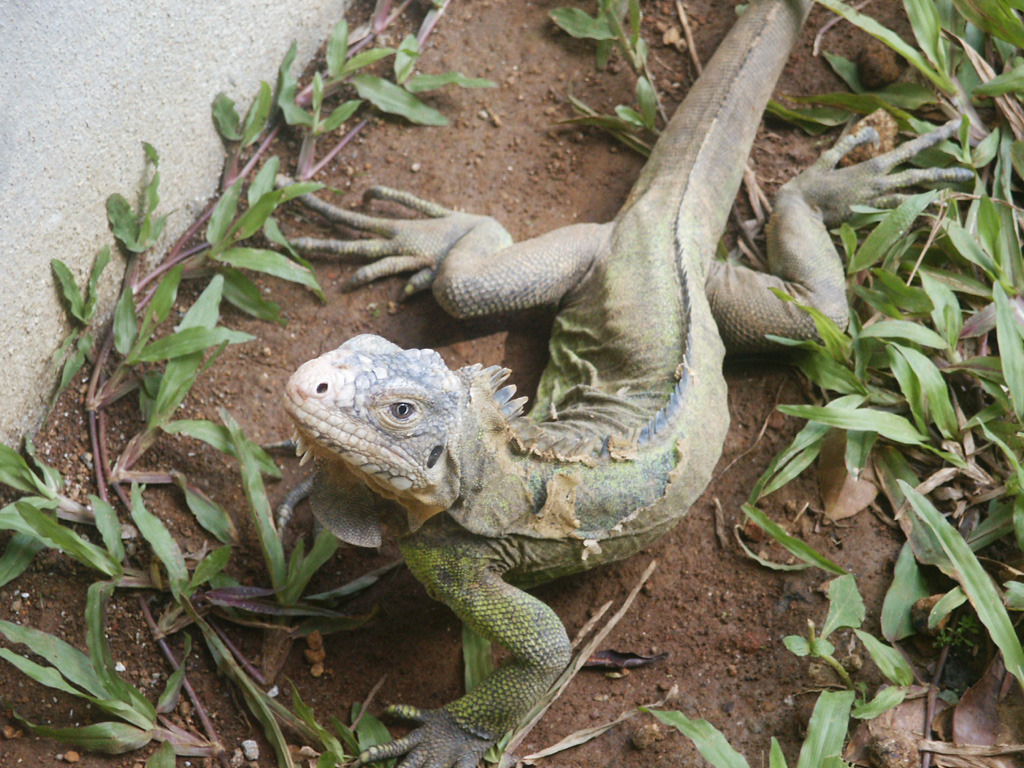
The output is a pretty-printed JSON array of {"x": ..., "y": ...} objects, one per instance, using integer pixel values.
[{"x": 630, "y": 413}]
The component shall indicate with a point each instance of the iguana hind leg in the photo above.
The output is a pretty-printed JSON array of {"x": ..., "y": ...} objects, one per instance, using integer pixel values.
[{"x": 803, "y": 261}]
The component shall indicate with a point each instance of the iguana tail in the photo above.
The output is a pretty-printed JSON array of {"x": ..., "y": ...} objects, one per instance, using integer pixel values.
[{"x": 707, "y": 142}]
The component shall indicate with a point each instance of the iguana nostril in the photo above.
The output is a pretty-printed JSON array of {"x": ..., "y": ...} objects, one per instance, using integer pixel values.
[{"x": 321, "y": 388}]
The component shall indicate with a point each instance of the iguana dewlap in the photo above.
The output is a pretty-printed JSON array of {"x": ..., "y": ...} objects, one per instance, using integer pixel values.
[{"x": 630, "y": 414}]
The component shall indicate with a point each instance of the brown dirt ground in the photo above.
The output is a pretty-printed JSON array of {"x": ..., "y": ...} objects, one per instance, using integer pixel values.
[{"x": 718, "y": 615}]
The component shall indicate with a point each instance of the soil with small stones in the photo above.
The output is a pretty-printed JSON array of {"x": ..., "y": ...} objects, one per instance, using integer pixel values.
[{"x": 718, "y": 615}]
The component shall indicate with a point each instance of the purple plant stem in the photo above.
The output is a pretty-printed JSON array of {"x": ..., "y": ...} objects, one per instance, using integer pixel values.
[
  {"x": 366, "y": 702},
  {"x": 167, "y": 266},
  {"x": 204, "y": 718},
  {"x": 247, "y": 169},
  {"x": 339, "y": 146},
  {"x": 926, "y": 757},
  {"x": 94, "y": 440},
  {"x": 239, "y": 656},
  {"x": 305, "y": 97},
  {"x": 174, "y": 255},
  {"x": 429, "y": 22},
  {"x": 104, "y": 457}
]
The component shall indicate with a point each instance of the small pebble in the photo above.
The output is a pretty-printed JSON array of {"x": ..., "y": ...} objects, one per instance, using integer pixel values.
[
  {"x": 314, "y": 657},
  {"x": 416, "y": 167},
  {"x": 645, "y": 735},
  {"x": 120, "y": 667},
  {"x": 250, "y": 749},
  {"x": 71, "y": 756},
  {"x": 317, "y": 670}
]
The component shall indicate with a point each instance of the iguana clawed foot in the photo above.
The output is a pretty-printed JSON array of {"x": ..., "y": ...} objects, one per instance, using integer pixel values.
[
  {"x": 438, "y": 742},
  {"x": 832, "y": 191},
  {"x": 402, "y": 245}
]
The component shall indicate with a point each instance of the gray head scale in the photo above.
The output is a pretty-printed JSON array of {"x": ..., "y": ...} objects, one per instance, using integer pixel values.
[{"x": 387, "y": 414}]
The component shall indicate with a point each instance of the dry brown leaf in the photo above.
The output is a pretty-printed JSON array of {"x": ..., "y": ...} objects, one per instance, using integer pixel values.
[
  {"x": 841, "y": 493},
  {"x": 991, "y": 712}
]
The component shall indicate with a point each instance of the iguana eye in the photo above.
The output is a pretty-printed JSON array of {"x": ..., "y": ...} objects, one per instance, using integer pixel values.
[{"x": 401, "y": 410}]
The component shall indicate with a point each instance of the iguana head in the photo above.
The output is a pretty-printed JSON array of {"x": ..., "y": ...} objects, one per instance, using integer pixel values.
[{"x": 393, "y": 417}]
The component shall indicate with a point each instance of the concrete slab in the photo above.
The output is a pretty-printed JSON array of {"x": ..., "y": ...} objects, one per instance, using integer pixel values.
[{"x": 82, "y": 84}]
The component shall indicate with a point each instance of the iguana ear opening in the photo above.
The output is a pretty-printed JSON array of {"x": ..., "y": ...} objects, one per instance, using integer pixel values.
[{"x": 345, "y": 506}]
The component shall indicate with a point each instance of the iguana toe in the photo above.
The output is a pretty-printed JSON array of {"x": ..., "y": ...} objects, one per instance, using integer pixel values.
[{"x": 438, "y": 742}]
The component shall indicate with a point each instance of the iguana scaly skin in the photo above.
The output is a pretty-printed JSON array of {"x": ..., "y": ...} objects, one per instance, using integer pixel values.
[{"x": 630, "y": 414}]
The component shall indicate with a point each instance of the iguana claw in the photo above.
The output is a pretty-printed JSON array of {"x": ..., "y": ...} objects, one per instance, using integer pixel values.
[
  {"x": 401, "y": 245},
  {"x": 438, "y": 742},
  {"x": 833, "y": 191}
]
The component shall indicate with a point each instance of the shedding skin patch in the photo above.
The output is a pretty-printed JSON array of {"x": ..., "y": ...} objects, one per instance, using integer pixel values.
[
  {"x": 557, "y": 518},
  {"x": 622, "y": 449}
]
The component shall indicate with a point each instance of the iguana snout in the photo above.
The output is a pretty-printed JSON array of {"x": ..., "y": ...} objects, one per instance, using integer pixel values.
[{"x": 386, "y": 412}]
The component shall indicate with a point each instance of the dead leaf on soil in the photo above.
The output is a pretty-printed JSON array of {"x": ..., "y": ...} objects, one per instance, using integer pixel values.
[
  {"x": 904, "y": 724},
  {"x": 991, "y": 713},
  {"x": 622, "y": 660},
  {"x": 842, "y": 494}
]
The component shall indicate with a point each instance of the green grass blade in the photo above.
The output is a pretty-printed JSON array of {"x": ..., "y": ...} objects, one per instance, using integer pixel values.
[
  {"x": 826, "y": 730},
  {"x": 163, "y": 757},
  {"x": 219, "y": 437},
  {"x": 974, "y": 581},
  {"x": 163, "y": 544},
  {"x": 846, "y": 607},
  {"x": 187, "y": 342},
  {"x": 223, "y": 213},
  {"x": 208, "y": 513},
  {"x": 906, "y": 330},
  {"x": 1011, "y": 349},
  {"x": 68, "y": 660},
  {"x": 889, "y": 425},
  {"x": 709, "y": 740},
  {"x": 109, "y": 527},
  {"x": 908, "y": 586},
  {"x": 323, "y": 549},
  {"x": 15, "y": 472},
  {"x": 884, "y": 700},
  {"x": 112, "y": 738},
  {"x": 888, "y": 231},
  {"x": 370, "y": 731},
  {"x": 136, "y": 708},
  {"x": 68, "y": 286},
  {"x": 395, "y": 100},
  {"x": 271, "y": 263},
  {"x": 168, "y": 700},
  {"x": 258, "y": 702},
  {"x": 252, "y": 484},
  {"x": 67, "y": 541},
  {"x": 924, "y": 20},
  {"x": 775, "y": 758},
  {"x": 18, "y": 555},
  {"x": 796, "y": 547},
  {"x": 47, "y": 676},
  {"x": 421, "y": 83},
  {"x": 889, "y": 661}
]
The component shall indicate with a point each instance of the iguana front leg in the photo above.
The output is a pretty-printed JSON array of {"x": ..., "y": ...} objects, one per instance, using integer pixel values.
[
  {"x": 462, "y": 575},
  {"x": 803, "y": 261},
  {"x": 471, "y": 262}
]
